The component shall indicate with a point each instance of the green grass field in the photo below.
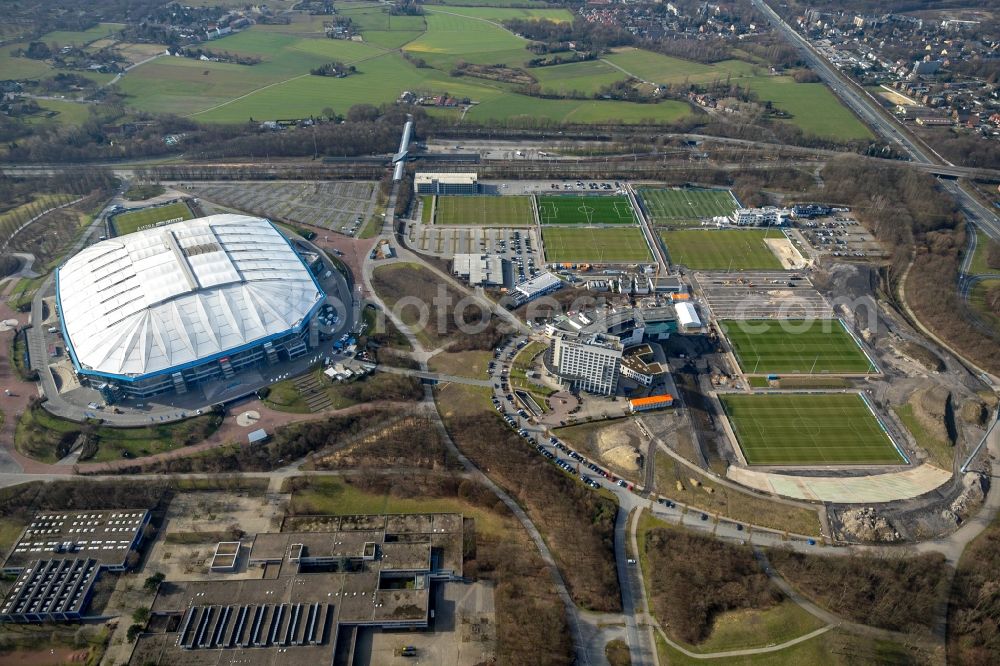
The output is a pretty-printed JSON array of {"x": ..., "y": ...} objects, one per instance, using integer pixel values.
[
  {"x": 813, "y": 107},
  {"x": 978, "y": 301},
  {"x": 662, "y": 69},
  {"x": 979, "y": 264},
  {"x": 813, "y": 346},
  {"x": 576, "y": 245},
  {"x": 512, "y": 211},
  {"x": 571, "y": 209},
  {"x": 722, "y": 249},
  {"x": 127, "y": 223},
  {"x": 813, "y": 429},
  {"x": 583, "y": 77},
  {"x": 665, "y": 205},
  {"x": 280, "y": 85}
]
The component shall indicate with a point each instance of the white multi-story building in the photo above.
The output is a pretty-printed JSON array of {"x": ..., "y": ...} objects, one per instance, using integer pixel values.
[
  {"x": 588, "y": 364},
  {"x": 759, "y": 217}
]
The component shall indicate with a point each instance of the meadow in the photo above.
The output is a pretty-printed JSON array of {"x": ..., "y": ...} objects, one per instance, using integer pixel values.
[
  {"x": 722, "y": 249},
  {"x": 813, "y": 107},
  {"x": 686, "y": 204},
  {"x": 572, "y": 209},
  {"x": 127, "y": 223},
  {"x": 811, "y": 429},
  {"x": 597, "y": 246},
  {"x": 795, "y": 347},
  {"x": 501, "y": 211}
]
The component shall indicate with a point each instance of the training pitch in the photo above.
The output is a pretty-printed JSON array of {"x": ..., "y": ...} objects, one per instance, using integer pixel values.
[
  {"x": 138, "y": 220},
  {"x": 722, "y": 249},
  {"x": 812, "y": 346},
  {"x": 500, "y": 211},
  {"x": 813, "y": 429},
  {"x": 671, "y": 205},
  {"x": 597, "y": 246},
  {"x": 570, "y": 209}
]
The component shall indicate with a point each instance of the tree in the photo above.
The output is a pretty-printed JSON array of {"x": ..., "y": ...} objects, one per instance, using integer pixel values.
[
  {"x": 153, "y": 582},
  {"x": 141, "y": 615},
  {"x": 133, "y": 632}
]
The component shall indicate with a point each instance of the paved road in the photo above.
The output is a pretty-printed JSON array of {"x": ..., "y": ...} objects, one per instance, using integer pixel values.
[{"x": 633, "y": 593}]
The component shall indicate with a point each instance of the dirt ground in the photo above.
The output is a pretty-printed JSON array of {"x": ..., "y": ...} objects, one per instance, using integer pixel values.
[
  {"x": 50, "y": 657},
  {"x": 786, "y": 253}
]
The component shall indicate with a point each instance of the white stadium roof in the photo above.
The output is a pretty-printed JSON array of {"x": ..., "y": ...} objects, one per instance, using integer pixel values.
[{"x": 180, "y": 293}]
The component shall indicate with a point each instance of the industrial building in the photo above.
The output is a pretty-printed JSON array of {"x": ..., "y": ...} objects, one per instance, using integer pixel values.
[
  {"x": 315, "y": 590},
  {"x": 168, "y": 308},
  {"x": 488, "y": 270},
  {"x": 60, "y": 556},
  {"x": 446, "y": 183}
]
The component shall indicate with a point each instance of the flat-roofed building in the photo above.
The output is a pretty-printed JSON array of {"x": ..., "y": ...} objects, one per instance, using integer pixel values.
[
  {"x": 51, "y": 590},
  {"x": 108, "y": 536},
  {"x": 446, "y": 183},
  {"x": 479, "y": 269},
  {"x": 588, "y": 363},
  {"x": 651, "y": 402}
]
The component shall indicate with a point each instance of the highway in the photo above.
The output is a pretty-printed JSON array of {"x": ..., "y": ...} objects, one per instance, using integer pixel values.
[{"x": 871, "y": 112}]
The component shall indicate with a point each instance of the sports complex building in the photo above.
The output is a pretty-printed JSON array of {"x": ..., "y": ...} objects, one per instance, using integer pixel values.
[{"x": 167, "y": 308}]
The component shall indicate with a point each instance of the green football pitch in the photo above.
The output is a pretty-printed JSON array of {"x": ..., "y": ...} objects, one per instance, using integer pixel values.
[
  {"x": 500, "y": 211},
  {"x": 137, "y": 220},
  {"x": 812, "y": 346},
  {"x": 597, "y": 246},
  {"x": 571, "y": 209},
  {"x": 670, "y": 205},
  {"x": 722, "y": 249},
  {"x": 813, "y": 429}
]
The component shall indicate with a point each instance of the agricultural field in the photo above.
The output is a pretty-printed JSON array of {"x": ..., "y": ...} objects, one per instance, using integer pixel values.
[
  {"x": 598, "y": 246},
  {"x": 581, "y": 77},
  {"x": 572, "y": 209},
  {"x": 685, "y": 205},
  {"x": 722, "y": 249},
  {"x": 811, "y": 429},
  {"x": 333, "y": 205},
  {"x": 813, "y": 107},
  {"x": 280, "y": 86},
  {"x": 661, "y": 69},
  {"x": 127, "y": 223},
  {"x": 500, "y": 211},
  {"x": 814, "y": 346}
]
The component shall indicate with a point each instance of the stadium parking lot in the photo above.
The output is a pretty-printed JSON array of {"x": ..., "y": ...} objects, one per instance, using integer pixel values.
[
  {"x": 762, "y": 295},
  {"x": 519, "y": 246},
  {"x": 840, "y": 236}
]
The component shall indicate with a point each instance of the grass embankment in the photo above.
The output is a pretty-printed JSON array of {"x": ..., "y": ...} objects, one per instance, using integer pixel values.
[
  {"x": 285, "y": 396},
  {"x": 48, "y": 438},
  {"x": 523, "y": 362},
  {"x": 717, "y": 498},
  {"x": 472, "y": 364},
  {"x": 939, "y": 452}
]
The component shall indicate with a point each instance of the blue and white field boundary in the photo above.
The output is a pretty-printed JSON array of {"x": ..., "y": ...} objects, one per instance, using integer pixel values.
[
  {"x": 864, "y": 351},
  {"x": 881, "y": 425}
]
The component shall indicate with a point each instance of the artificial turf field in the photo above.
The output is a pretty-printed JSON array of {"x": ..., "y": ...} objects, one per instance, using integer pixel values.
[
  {"x": 127, "y": 223},
  {"x": 500, "y": 211},
  {"x": 572, "y": 209},
  {"x": 722, "y": 249},
  {"x": 813, "y": 429},
  {"x": 576, "y": 245},
  {"x": 795, "y": 347},
  {"x": 665, "y": 205}
]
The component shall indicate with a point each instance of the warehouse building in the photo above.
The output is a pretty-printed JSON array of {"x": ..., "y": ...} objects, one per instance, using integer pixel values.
[
  {"x": 488, "y": 270},
  {"x": 446, "y": 183},
  {"x": 687, "y": 315},
  {"x": 650, "y": 403},
  {"x": 60, "y": 556},
  {"x": 168, "y": 308}
]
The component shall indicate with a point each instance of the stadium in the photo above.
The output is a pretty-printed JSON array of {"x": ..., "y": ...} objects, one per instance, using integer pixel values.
[{"x": 175, "y": 306}]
